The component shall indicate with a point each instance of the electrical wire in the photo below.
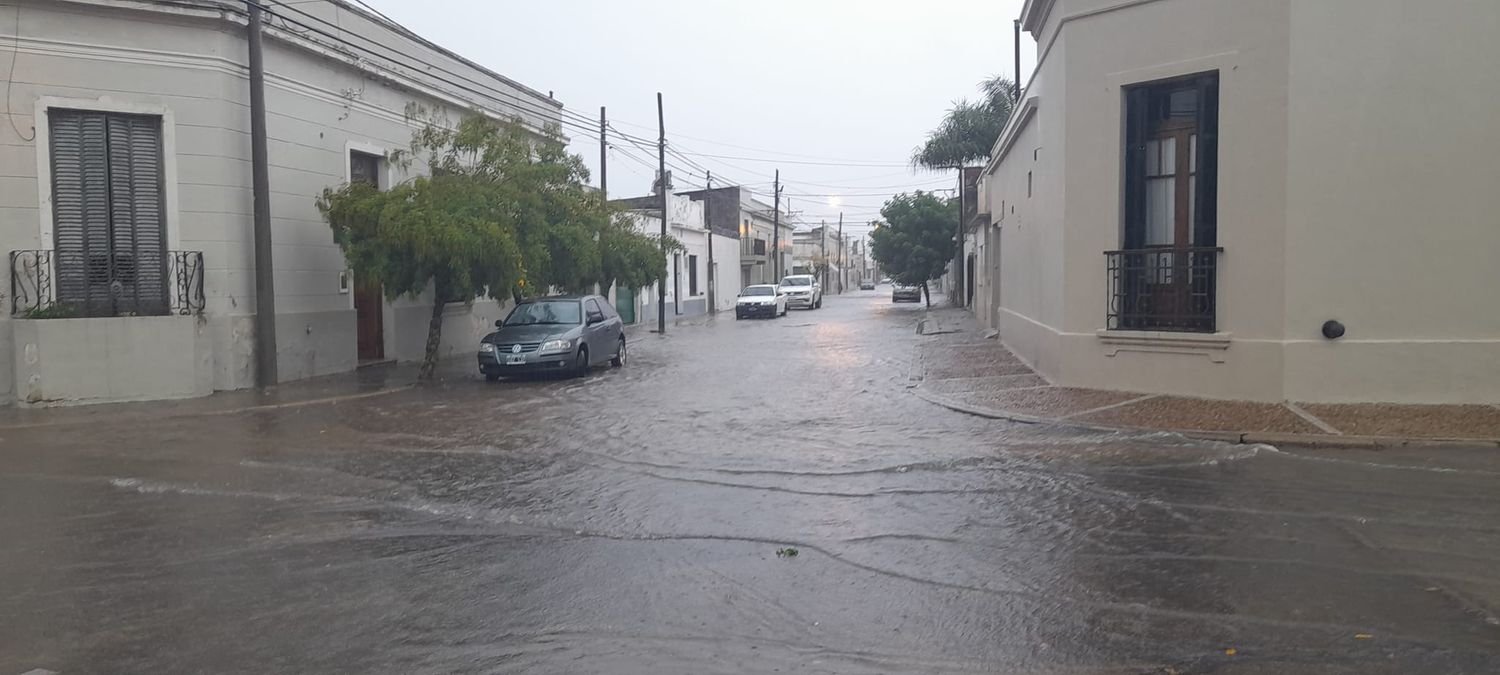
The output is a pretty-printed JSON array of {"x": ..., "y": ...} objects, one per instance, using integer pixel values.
[{"x": 565, "y": 117}]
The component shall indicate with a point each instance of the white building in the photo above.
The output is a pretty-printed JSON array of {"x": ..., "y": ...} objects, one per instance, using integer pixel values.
[
  {"x": 1268, "y": 200},
  {"x": 127, "y": 191},
  {"x": 693, "y": 274}
]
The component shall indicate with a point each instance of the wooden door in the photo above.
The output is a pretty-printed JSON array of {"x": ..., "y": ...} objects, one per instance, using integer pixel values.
[
  {"x": 1171, "y": 167},
  {"x": 369, "y": 321}
]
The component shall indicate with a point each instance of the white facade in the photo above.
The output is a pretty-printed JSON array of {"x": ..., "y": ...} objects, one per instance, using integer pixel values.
[
  {"x": 1355, "y": 183},
  {"x": 184, "y": 64},
  {"x": 687, "y": 284}
]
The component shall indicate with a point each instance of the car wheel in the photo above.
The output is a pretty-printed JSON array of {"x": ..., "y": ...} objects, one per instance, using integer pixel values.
[
  {"x": 491, "y": 377},
  {"x": 619, "y": 359},
  {"x": 581, "y": 362}
]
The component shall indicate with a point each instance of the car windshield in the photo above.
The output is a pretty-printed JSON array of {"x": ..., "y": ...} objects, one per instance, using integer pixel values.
[
  {"x": 794, "y": 281},
  {"x": 564, "y": 312},
  {"x": 759, "y": 290}
]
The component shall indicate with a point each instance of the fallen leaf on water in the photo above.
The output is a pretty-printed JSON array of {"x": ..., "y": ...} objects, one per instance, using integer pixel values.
[
  {"x": 1231, "y": 651},
  {"x": 1363, "y": 636}
]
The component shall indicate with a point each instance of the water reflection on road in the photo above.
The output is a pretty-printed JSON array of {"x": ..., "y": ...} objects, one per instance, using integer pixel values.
[{"x": 629, "y": 522}]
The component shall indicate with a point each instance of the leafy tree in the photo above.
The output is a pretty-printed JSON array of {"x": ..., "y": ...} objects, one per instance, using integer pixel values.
[
  {"x": 915, "y": 243},
  {"x": 969, "y": 130},
  {"x": 504, "y": 211}
]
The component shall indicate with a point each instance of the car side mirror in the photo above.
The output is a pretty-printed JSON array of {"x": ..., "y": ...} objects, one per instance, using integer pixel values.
[
  {"x": 499, "y": 323},
  {"x": 596, "y": 318}
]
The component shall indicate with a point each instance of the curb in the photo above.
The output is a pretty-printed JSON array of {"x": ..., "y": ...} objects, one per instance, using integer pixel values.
[
  {"x": 1236, "y": 437},
  {"x": 226, "y": 411}
]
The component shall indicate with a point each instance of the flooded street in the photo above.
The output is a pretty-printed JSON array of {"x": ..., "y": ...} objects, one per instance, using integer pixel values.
[{"x": 631, "y": 522}]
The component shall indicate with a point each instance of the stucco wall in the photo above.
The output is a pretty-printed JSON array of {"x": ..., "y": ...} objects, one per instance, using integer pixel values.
[
  {"x": 1353, "y": 184},
  {"x": 67, "y": 361},
  {"x": 1392, "y": 222},
  {"x": 187, "y": 65}
]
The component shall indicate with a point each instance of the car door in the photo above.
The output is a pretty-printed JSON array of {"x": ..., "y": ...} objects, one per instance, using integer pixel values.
[{"x": 596, "y": 331}]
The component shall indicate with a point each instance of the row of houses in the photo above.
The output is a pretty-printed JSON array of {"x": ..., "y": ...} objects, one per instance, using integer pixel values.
[
  {"x": 723, "y": 231},
  {"x": 1271, "y": 200},
  {"x": 839, "y": 260},
  {"x": 126, "y": 194}
]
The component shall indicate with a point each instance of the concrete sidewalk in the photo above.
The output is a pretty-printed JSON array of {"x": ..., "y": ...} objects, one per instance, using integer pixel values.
[
  {"x": 958, "y": 368},
  {"x": 329, "y": 389}
]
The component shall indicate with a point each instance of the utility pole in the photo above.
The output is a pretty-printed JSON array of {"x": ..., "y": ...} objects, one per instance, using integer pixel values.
[
  {"x": 842, "y": 262},
  {"x": 958, "y": 256},
  {"x": 603, "y": 159},
  {"x": 708, "y": 227},
  {"x": 661, "y": 162},
  {"x": 1017, "y": 41},
  {"x": 265, "y": 280},
  {"x": 776, "y": 232},
  {"x": 823, "y": 252}
]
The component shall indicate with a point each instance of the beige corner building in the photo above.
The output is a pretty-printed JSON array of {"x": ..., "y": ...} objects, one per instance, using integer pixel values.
[{"x": 1252, "y": 199}]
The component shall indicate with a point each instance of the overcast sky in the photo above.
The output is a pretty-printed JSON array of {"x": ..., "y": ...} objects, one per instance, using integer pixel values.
[{"x": 835, "y": 94}]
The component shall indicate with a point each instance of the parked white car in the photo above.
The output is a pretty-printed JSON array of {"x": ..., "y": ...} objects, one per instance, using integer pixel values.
[
  {"x": 802, "y": 290},
  {"x": 760, "y": 300}
]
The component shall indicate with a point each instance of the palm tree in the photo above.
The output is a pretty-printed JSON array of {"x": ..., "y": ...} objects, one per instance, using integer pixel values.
[{"x": 970, "y": 129}]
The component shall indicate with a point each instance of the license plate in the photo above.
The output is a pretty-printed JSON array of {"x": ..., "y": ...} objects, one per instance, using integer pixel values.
[{"x": 515, "y": 360}]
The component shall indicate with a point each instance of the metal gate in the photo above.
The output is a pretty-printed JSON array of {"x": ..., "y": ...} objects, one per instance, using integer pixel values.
[{"x": 625, "y": 303}]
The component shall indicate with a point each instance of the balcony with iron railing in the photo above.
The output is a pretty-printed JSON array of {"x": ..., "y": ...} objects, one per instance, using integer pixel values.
[
  {"x": 49, "y": 284},
  {"x": 1163, "y": 289}
]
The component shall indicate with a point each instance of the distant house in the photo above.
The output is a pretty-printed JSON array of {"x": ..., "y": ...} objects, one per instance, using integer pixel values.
[
  {"x": 692, "y": 273},
  {"x": 1271, "y": 200},
  {"x": 127, "y": 189},
  {"x": 737, "y": 209}
]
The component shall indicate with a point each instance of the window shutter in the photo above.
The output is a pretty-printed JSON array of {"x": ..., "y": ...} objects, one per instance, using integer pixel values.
[
  {"x": 137, "y": 225},
  {"x": 1206, "y": 226},
  {"x": 108, "y": 217},
  {"x": 1137, "y": 119},
  {"x": 80, "y": 208}
]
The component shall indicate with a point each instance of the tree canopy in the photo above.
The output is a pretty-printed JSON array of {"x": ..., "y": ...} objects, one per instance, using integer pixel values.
[
  {"x": 502, "y": 211},
  {"x": 915, "y": 242},
  {"x": 969, "y": 129}
]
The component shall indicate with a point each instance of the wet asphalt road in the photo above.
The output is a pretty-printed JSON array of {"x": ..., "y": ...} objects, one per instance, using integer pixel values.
[{"x": 629, "y": 523}]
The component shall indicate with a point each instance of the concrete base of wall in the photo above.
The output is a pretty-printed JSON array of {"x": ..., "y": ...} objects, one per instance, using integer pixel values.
[
  {"x": 1226, "y": 367},
  {"x": 71, "y": 361}
]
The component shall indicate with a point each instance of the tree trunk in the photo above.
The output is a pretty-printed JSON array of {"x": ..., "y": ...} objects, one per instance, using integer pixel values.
[
  {"x": 434, "y": 334},
  {"x": 927, "y": 294}
]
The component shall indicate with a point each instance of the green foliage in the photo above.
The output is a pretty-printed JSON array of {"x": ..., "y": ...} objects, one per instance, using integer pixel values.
[
  {"x": 916, "y": 242},
  {"x": 53, "y": 311},
  {"x": 504, "y": 211},
  {"x": 970, "y": 129}
]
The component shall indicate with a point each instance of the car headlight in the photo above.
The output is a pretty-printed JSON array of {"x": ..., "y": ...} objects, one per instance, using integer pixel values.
[
  {"x": 485, "y": 348},
  {"x": 556, "y": 346}
]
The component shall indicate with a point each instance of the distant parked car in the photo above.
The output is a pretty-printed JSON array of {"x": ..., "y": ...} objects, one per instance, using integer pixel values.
[
  {"x": 904, "y": 293},
  {"x": 560, "y": 334},
  {"x": 802, "y": 290},
  {"x": 867, "y": 285},
  {"x": 760, "y": 300}
]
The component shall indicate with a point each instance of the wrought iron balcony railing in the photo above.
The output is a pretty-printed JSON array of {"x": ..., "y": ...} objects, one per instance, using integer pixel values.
[
  {"x": 47, "y": 284},
  {"x": 1164, "y": 289}
]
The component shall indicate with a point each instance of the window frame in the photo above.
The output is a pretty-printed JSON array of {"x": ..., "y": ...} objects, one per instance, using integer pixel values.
[{"x": 1137, "y": 105}]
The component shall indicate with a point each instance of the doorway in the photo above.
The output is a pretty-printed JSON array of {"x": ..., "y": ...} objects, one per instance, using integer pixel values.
[{"x": 369, "y": 321}]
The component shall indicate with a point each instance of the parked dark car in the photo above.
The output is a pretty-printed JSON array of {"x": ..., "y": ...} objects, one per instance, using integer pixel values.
[
  {"x": 904, "y": 293},
  {"x": 560, "y": 334}
]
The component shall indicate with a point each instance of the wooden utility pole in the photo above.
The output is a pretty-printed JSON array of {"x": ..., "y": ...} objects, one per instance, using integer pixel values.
[
  {"x": 603, "y": 159},
  {"x": 708, "y": 227},
  {"x": 661, "y": 162},
  {"x": 842, "y": 262},
  {"x": 823, "y": 253},
  {"x": 265, "y": 286},
  {"x": 776, "y": 231}
]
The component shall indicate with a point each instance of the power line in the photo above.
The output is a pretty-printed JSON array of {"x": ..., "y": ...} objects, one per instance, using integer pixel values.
[{"x": 565, "y": 116}]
